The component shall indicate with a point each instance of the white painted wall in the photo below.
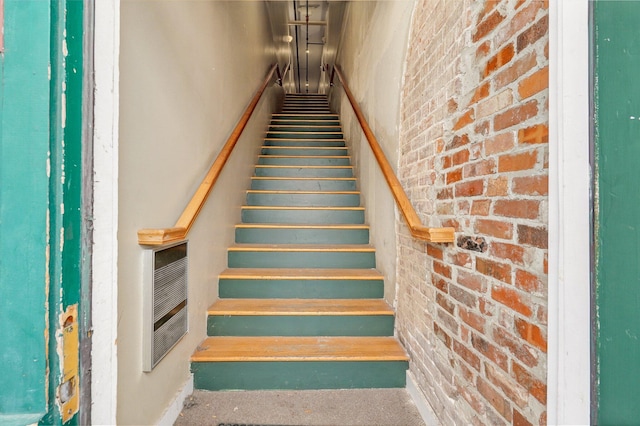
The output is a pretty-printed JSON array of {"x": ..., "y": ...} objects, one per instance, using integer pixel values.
[
  {"x": 568, "y": 383},
  {"x": 188, "y": 69},
  {"x": 371, "y": 55}
]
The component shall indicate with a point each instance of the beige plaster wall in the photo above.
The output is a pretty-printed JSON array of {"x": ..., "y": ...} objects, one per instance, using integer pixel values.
[
  {"x": 372, "y": 56},
  {"x": 188, "y": 70}
]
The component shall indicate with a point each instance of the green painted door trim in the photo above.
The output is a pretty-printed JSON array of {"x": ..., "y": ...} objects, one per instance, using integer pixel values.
[
  {"x": 41, "y": 225},
  {"x": 67, "y": 225},
  {"x": 617, "y": 210}
]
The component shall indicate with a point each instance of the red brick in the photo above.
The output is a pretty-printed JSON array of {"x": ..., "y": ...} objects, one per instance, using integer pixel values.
[
  {"x": 454, "y": 176},
  {"x": 460, "y": 157},
  {"x": 511, "y": 299},
  {"x": 434, "y": 251},
  {"x": 534, "y": 134},
  {"x": 490, "y": 268},
  {"x": 516, "y": 162},
  {"x": 498, "y": 402},
  {"x": 531, "y": 185},
  {"x": 508, "y": 251},
  {"x": 518, "y": 69},
  {"x": 532, "y": 236},
  {"x": 466, "y": 119},
  {"x": 473, "y": 320},
  {"x": 515, "y": 115},
  {"x": 447, "y": 162},
  {"x": 482, "y": 128},
  {"x": 498, "y": 187},
  {"x": 535, "y": 83},
  {"x": 537, "y": 388},
  {"x": 488, "y": 25},
  {"x": 440, "y": 284},
  {"x": 495, "y": 103},
  {"x": 458, "y": 141},
  {"x": 462, "y": 296},
  {"x": 470, "y": 358},
  {"x": 442, "y": 335},
  {"x": 461, "y": 259},
  {"x": 508, "y": 385},
  {"x": 486, "y": 307},
  {"x": 480, "y": 207},
  {"x": 481, "y": 92},
  {"x": 452, "y": 106},
  {"x": 494, "y": 228},
  {"x": 526, "y": 281},
  {"x": 541, "y": 315},
  {"x": 502, "y": 58},
  {"x": 518, "y": 22},
  {"x": 523, "y": 352},
  {"x": 531, "y": 333},
  {"x": 490, "y": 351},
  {"x": 445, "y": 194},
  {"x": 442, "y": 269},
  {"x": 463, "y": 207},
  {"x": 500, "y": 143},
  {"x": 533, "y": 33},
  {"x": 479, "y": 168},
  {"x": 470, "y": 189},
  {"x": 445, "y": 303},
  {"x": 448, "y": 321},
  {"x": 520, "y": 420},
  {"x": 543, "y": 419},
  {"x": 471, "y": 281},
  {"x": 524, "y": 209}
]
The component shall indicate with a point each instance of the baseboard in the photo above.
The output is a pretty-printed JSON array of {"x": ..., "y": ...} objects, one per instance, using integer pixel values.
[
  {"x": 424, "y": 408},
  {"x": 175, "y": 407}
]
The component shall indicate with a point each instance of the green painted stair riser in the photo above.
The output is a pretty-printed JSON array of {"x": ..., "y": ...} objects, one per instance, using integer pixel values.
[
  {"x": 306, "y": 150},
  {"x": 304, "y": 185},
  {"x": 300, "y": 325},
  {"x": 302, "y": 116},
  {"x": 303, "y": 122},
  {"x": 304, "y": 161},
  {"x": 305, "y": 135},
  {"x": 299, "y": 375},
  {"x": 301, "y": 259},
  {"x": 302, "y": 128},
  {"x": 303, "y": 199},
  {"x": 305, "y": 216},
  {"x": 308, "y": 142},
  {"x": 300, "y": 289},
  {"x": 318, "y": 171},
  {"x": 301, "y": 236}
]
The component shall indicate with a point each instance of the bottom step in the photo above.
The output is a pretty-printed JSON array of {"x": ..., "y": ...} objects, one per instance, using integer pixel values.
[{"x": 253, "y": 363}]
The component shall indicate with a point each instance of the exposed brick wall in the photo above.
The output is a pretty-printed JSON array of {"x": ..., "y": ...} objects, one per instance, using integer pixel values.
[{"x": 474, "y": 155}]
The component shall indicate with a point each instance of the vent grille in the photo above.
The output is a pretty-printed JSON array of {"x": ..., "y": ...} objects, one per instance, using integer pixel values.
[{"x": 165, "y": 301}]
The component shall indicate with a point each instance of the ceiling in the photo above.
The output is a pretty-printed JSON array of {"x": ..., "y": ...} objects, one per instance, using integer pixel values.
[{"x": 307, "y": 34}]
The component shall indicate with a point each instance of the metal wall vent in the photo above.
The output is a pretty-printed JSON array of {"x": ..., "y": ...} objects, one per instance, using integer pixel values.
[{"x": 164, "y": 311}]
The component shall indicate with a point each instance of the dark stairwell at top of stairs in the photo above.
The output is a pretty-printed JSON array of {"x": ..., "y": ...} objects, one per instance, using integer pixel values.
[{"x": 301, "y": 303}]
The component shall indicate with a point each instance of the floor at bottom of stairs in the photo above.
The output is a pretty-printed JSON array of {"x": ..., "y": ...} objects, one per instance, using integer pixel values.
[{"x": 381, "y": 407}]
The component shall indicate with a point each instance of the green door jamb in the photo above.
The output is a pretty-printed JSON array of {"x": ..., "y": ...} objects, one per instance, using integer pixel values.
[{"x": 68, "y": 319}]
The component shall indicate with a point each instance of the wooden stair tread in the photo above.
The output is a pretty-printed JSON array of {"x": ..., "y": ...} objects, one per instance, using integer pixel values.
[
  {"x": 318, "y": 140},
  {"x": 285, "y": 147},
  {"x": 293, "y": 307},
  {"x": 286, "y": 248},
  {"x": 301, "y": 273},
  {"x": 305, "y": 156},
  {"x": 231, "y": 348}
]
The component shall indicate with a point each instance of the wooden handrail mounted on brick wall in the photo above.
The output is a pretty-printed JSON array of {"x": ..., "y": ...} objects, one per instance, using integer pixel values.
[
  {"x": 156, "y": 237},
  {"x": 434, "y": 235}
]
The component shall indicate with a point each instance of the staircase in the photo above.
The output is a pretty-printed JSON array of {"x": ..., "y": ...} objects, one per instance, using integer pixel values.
[{"x": 301, "y": 304}]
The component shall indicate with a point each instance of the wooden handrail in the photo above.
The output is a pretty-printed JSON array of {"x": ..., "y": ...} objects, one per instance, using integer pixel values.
[
  {"x": 434, "y": 235},
  {"x": 156, "y": 237}
]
